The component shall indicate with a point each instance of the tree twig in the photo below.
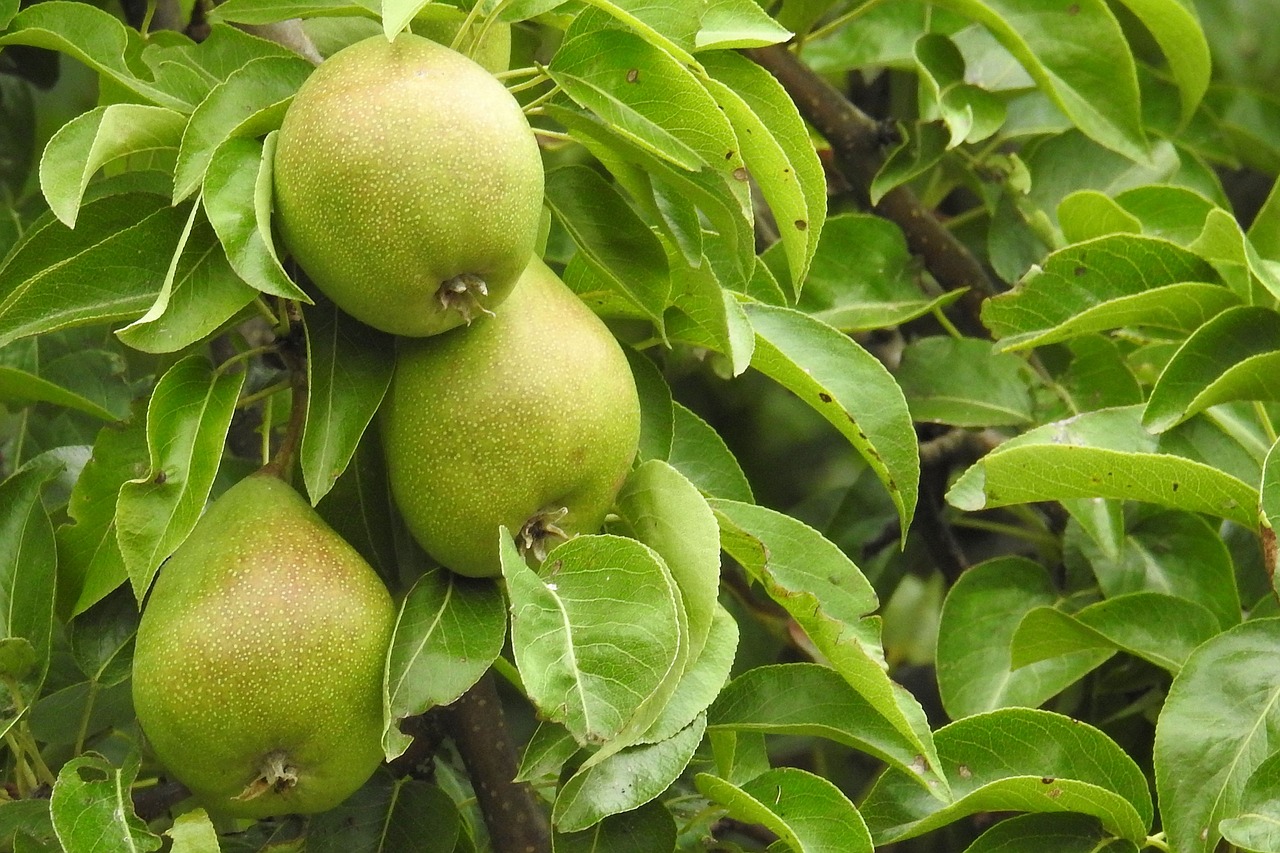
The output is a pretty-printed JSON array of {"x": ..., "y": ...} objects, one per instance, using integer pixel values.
[
  {"x": 293, "y": 352},
  {"x": 856, "y": 142},
  {"x": 150, "y": 803},
  {"x": 516, "y": 821}
]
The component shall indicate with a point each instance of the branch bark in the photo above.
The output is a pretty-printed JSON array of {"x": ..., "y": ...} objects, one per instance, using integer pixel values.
[
  {"x": 516, "y": 820},
  {"x": 855, "y": 140}
]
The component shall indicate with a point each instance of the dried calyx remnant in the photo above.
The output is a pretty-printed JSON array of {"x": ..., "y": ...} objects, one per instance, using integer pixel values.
[
  {"x": 533, "y": 536},
  {"x": 462, "y": 293},
  {"x": 275, "y": 774}
]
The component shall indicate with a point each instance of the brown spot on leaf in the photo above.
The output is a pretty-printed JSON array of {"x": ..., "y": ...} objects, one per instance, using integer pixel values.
[
  {"x": 801, "y": 225},
  {"x": 1079, "y": 271},
  {"x": 1073, "y": 9},
  {"x": 633, "y": 75},
  {"x": 740, "y": 173},
  {"x": 824, "y": 396}
]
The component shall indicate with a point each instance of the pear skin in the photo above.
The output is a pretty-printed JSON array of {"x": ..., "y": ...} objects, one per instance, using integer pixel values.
[
  {"x": 528, "y": 419},
  {"x": 408, "y": 185},
  {"x": 259, "y": 659}
]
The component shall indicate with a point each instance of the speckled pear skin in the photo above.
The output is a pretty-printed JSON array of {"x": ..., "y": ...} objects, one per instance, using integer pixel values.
[
  {"x": 486, "y": 426},
  {"x": 265, "y": 632},
  {"x": 400, "y": 165}
]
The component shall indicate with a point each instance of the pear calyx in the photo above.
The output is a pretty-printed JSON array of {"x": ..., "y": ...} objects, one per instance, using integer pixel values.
[
  {"x": 533, "y": 536},
  {"x": 462, "y": 294},
  {"x": 275, "y": 774}
]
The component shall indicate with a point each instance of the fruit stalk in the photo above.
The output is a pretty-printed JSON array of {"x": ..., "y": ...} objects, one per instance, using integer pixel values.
[
  {"x": 281, "y": 465},
  {"x": 476, "y": 723}
]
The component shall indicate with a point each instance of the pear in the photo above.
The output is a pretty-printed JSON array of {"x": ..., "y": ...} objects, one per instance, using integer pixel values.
[
  {"x": 528, "y": 419},
  {"x": 408, "y": 185},
  {"x": 257, "y": 674}
]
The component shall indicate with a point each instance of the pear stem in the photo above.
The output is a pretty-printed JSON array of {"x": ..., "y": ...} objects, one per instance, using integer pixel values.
[{"x": 291, "y": 353}]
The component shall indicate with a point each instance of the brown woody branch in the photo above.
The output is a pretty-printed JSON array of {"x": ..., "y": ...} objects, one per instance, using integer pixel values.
[
  {"x": 515, "y": 818},
  {"x": 856, "y": 143}
]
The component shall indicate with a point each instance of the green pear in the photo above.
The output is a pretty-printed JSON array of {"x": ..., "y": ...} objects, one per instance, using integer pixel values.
[
  {"x": 528, "y": 419},
  {"x": 408, "y": 185},
  {"x": 257, "y": 674}
]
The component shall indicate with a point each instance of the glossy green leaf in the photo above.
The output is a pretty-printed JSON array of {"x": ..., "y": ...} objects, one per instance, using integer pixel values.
[
  {"x": 611, "y": 237},
  {"x": 23, "y": 388},
  {"x": 1172, "y": 213},
  {"x": 1089, "y": 214},
  {"x": 349, "y": 368},
  {"x": 1224, "y": 244},
  {"x": 545, "y": 753},
  {"x": 199, "y": 294},
  {"x": 92, "y": 36},
  {"x": 270, "y": 11},
  {"x": 1017, "y": 759},
  {"x": 1162, "y": 629},
  {"x": 187, "y": 421},
  {"x": 847, "y": 386},
  {"x": 248, "y": 103},
  {"x": 970, "y": 112},
  {"x": 964, "y": 382},
  {"x": 1078, "y": 55},
  {"x": 646, "y": 95},
  {"x": 449, "y": 630},
  {"x": 53, "y": 280},
  {"x": 625, "y": 780},
  {"x": 729, "y": 24},
  {"x": 656, "y": 407},
  {"x": 388, "y": 815},
  {"x": 102, "y": 638},
  {"x": 920, "y": 151},
  {"x": 91, "y": 140},
  {"x": 665, "y": 24},
  {"x": 28, "y": 565},
  {"x": 359, "y": 506},
  {"x": 30, "y": 817},
  {"x": 1102, "y": 454},
  {"x": 1050, "y": 833},
  {"x": 1105, "y": 283},
  {"x": 237, "y": 199},
  {"x": 193, "y": 832},
  {"x": 703, "y": 679},
  {"x": 396, "y": 15},
  {"x": 1215, "y": 731},
  {"x": 809, "y": 700},
  {"x": 828, "y": 597},
  {"x": 862, "y": 276},
  {"x": 710, "y": 316},
  {"x": 665, "y": 511},
  {"x": 777, "y": 151},
  {"x": 1232, "y": 357},
  {"x": 698, "y": 452},
  {"x": 807, "y": 812},
  {"x": 602, "y": 602},
  {"x": 92, "y": 810},
  {"x": 1256, "y": 827},
  {"x": 979, "y": 621},
  {"x": 648, "y": 829}
]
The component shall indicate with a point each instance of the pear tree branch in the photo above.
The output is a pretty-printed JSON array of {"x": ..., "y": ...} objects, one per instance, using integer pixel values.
[
  {"x": 856, "y": 142},
  {"x": 512, "y": 812}
]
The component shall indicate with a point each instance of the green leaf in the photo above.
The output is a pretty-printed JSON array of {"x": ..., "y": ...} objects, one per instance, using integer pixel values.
[
  {"x": 710, "y": 317},
  {"x": 1089, "y": 214},
  {"x": 1178, "y": 31},
  {"x": 1176, "y": 553},
  {"x": 237, "y": 199},
  {"x": 187, "y": 421},
  {"x": 200, "y": 293},
  {"x": 23, "y": 388},
  {"x": 1050, "y": 833},
  {"x": 92, "y": 810},
  {"x": 387, "y": 816},
  {"x": 91, "y": 140},
  {"x": 1172, "y": 213},
  {"x": 1256, "y": 826},
  {"x": 1078, "y": 56},
  {"x": 93, "y": 37},
  {"x": 359, "y": 507},
  {"x": 396, "y": 15},
  {"x": 90, "y": 562},
  {"x": 656, "y": 408},
  {"x": 777, "y": 151},
  {"x": 665, "y": 511},
  {"x": 971, "y": 113},
  {"x": 976, "y": 630},
  {"x": 548, "y": 748},
  {"x": 271, "y": 11},
  {"x": 736, "y": 24},
  {"x": 30, "y": 817},
  {"x": 828, "y": 597},
  {"x": 54, "y": 279},
  {"x": 250, "y": 102},
  {"x": 848, "y": 387},
  {"x": 611, "y": 237},
  {"x": 602, "y": 603},
  {"x": 449, "y": 630},
  {"x": 349, "y": 368},
  {"x": 665, "y": 25},
  {"x": 919, "y": 153},
  {"x": 1162, "y": 629},
  {"x": 646, "y": 95},
  {"x": 807, "y": 812},
  {"x": 1231, "y": 357},
  {"x": 193, "y": 832},
  {"x": 698, "y": 452},
  {"x": 703, "y": 679},
  {"x": 1044, "y": 762},
  {"x": 1103, "y": 454},
  {"x": 625, "y": 780},
  {"x": 648, "y": 829},
  {"x": 809, "y": 700},
  {"x": 1215, "y": 731},
  {"x": 964, "y": 382},
  {"x": 1103, "y": 284},
  {"x": 102, "y": 640}
]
